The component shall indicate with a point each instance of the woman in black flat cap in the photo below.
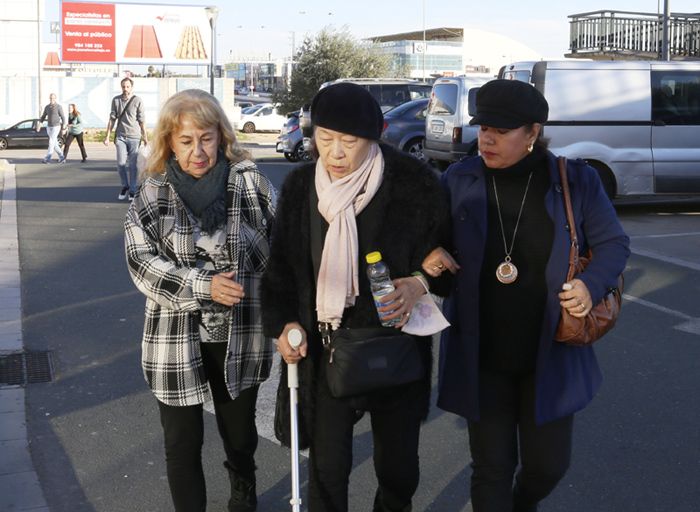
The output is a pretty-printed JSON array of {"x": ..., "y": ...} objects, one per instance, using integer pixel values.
[
  {"x": 359, "y": 196},
  {"x": 500, "y": 367}
]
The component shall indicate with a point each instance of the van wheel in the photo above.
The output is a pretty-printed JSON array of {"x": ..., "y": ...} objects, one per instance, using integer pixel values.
[
  {"x": 414, "y": 147},
  {"x": 248, "y": 128},
  {"x": 606, "y": 177}
]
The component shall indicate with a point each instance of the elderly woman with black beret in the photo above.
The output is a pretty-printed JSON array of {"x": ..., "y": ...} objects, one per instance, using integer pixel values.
[
  {"x": 500, "y": 367},
  {"x": 358, "y": 197}
]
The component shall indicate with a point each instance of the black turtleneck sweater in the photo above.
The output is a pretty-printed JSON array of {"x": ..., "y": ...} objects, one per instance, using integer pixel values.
[{"x": 511, "y": 314}]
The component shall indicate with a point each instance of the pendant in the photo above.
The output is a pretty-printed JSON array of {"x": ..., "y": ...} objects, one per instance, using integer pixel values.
[{"x": 506, "y": 272}]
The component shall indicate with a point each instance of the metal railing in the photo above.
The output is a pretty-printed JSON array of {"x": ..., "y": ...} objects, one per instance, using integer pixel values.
[{"x": 636, "y": 34}]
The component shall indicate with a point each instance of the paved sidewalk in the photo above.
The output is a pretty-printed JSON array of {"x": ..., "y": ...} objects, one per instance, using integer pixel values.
[
  {"x": 20, "y": 489},
  {"x": 19, "y": 485}
]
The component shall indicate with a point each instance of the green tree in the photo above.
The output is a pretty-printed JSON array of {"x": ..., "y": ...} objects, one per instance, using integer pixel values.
[{"x": 329, "y": 56}]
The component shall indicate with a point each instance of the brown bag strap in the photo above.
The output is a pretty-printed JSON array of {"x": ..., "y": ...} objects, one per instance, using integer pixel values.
[{"x": 573, "y": 249}]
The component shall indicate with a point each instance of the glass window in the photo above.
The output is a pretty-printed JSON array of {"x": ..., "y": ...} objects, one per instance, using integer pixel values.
[
  {"x": 27, "y": 125},
  {"x": 675, "y": 97},
  {"x": 419, "y": 91},
  {"x": 523, "y": 75},
  {"x": 393, "y": 95},
  {"x": 266, "y": 111},
  {"x": 444, "y": 100},
  {"x": 376, "y": 91}
]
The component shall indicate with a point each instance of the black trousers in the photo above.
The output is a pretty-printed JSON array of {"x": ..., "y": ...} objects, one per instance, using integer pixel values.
[
  {"x": 395, "y": 432},
  {"x": 183, "y": 429},
  {"x": 507, "y": 434},
  {"x": 81, "y": 145}
]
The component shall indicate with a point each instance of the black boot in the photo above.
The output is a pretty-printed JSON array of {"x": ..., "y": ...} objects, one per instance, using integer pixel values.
[
  {"x": 243, "y": 497},
  {"x": 380, "y": 507}
]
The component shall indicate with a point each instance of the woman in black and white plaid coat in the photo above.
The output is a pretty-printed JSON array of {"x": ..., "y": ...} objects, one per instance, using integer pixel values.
[{"x": 196, "y": 245}]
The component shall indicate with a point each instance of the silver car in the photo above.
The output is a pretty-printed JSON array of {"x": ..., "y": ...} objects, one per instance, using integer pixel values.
[{"x": 290, "y": 141}]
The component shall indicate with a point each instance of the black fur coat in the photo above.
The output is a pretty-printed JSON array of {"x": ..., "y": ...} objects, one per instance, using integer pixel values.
[{"x": 405, "y": 220}]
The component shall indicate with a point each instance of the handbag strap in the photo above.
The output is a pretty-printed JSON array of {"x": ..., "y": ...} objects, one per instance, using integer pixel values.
[
  {"x": 574, "y": 248},
  {"x": 121, "y": 114}
]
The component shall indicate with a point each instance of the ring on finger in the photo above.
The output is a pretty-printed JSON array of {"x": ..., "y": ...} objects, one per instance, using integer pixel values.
[{"x": 401, "y": 301}]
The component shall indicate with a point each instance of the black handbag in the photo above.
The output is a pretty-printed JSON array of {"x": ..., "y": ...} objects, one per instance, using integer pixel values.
[{"x": 366, "y": 359}]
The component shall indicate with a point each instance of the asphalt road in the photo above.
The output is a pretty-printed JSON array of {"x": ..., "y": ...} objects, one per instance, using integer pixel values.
[{"x": 94, "y": 431}]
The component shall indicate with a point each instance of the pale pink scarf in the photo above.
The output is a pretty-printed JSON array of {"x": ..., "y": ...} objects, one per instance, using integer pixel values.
[{"x": 339, "y": 202}]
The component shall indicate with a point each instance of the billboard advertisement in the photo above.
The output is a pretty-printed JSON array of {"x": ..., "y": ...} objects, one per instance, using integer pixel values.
[{"x": 134, "y": 33}]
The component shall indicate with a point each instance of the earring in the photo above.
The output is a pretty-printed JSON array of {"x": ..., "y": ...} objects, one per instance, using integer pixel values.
[{"x": 530, "y": 147}]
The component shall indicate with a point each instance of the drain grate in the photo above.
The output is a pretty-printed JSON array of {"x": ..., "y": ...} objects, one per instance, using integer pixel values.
[{"x": 25, "y": 368}]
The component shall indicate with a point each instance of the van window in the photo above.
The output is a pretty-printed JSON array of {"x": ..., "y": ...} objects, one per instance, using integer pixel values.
[
  {"x": 522, "y": 75},
  {"x": 675, "y": 98},
  {"x": 444, "y": 100},
  {"x": 419, "y": 91},
  {"x": 393, "y": 95}
]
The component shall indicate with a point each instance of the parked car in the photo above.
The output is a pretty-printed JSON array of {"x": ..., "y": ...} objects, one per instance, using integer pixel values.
[
  {"x": 448, "y": 136},
  {"x": 24, "y": 134},
  {"x": 389, "y": 92},
  {"x": 265, "y": 118},
  {"x": 636, "y": 122},
  {"x": 290, "y": 141},
  {"x": 404, "y": 127}
]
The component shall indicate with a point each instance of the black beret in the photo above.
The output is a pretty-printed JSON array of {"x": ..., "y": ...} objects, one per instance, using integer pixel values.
[
  {"x": 348, "y": 108},
  {"x": 509, "y": 104}
]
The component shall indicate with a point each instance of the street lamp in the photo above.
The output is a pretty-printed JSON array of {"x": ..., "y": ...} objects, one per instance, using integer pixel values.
[{"x": 212, "y": 13}]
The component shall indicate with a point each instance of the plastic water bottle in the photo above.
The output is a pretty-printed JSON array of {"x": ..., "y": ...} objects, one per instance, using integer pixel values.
[{"x": 380, "y": 284}]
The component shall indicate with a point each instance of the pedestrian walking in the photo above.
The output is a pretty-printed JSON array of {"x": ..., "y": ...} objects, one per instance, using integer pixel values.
[
  {"x": 55, "y": 120},
  {"x": 129, "y": 121},
  {"x": 196, "y": 246},
  {"x": 500, "y": 365},
  {"x": 75, "y": 131},
  {"x": 358, "y": 197}
]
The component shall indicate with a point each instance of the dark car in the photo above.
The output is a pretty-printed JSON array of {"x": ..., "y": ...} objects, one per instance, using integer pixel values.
[
  {"x": 24, "y": 135},
  {"x": 404, "y": 127}
]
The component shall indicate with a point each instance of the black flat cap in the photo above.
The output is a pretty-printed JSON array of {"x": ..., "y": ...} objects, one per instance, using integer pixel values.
[
  {"x": 509, "y": 104},
  {"x": 348, "y": 108}
]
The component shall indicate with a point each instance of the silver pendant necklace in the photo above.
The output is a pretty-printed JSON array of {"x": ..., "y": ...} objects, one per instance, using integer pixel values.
[{"x": 507, "y": 272}]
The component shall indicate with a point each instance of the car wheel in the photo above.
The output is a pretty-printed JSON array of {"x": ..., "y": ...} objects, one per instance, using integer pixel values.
[
  {"x": 301, "y": 154},
  {"x": 606, "y": 177},
  {"x": 292, "y": 157},
  {"x": 61, "y": 142},
  {"x": 248, "y": 128},
  {"x": 3, "y": 144},
  {"x": 414, "y": 147}
]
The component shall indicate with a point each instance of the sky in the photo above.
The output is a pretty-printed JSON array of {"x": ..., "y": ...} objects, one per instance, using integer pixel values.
[{"x": 268, "y": 28}]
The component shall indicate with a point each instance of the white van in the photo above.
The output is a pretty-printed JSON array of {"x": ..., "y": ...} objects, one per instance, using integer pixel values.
[
  {"x": 636, "y": 122},
  {"x": 448, "y": 136}
]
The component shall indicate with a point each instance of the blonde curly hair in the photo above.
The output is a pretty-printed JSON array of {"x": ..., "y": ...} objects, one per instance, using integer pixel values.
[{"x": 204, "y": 110}]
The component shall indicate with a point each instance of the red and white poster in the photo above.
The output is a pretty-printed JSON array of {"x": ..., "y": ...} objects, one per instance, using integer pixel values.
[
  {"x": 87, "y": 32},
  {"x": 134, "y": 33}
]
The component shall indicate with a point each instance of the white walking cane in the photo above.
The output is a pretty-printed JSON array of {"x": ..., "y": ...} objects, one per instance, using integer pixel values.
[{"x": 294, "y": 337}]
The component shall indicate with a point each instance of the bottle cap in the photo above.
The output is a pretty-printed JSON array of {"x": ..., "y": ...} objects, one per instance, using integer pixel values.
[{"x": 373, "y": 257}]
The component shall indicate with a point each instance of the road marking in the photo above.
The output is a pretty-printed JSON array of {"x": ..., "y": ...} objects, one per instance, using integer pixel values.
[
  {"x": 690, "y": 324},
  {"x": 666, "y": 235},
  {"x": 668, "y": 259}
]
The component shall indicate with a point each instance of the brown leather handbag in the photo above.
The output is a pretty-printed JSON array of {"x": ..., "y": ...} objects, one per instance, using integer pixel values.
[{"x": 600, "y": 319}]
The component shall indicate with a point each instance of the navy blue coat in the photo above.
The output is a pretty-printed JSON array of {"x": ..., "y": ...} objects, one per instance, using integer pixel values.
[{"x": 566, "y": 377}]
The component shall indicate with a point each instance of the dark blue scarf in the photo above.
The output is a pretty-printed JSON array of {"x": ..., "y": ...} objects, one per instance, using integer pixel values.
[{"x": 205, "y": 196}]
